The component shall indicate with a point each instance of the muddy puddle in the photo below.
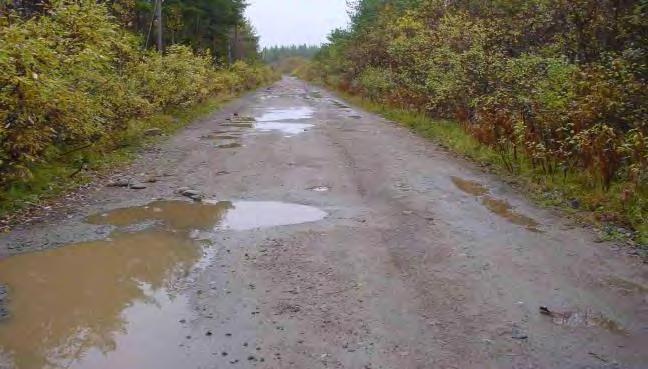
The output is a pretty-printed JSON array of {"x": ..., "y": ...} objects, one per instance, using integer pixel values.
[
  {"x": 228, "y": 145},
  {"x": 121, "y": 302},
  {"x": 584, "y": 319},
  {"x": 219, "y": 136},
  {"x": 286, "y": 128},
  {"x": 238, "y": 125},
  {"x": 339, "y": 105},
  {"x": 80, "y": 304},
  {"x": 177, "y": 215},
  {"x": 319, "y": 189},
  {"x": 496, "y": 206},
  {"x": 504, "y": 210},
  {"x": 470, "y": 187},
  {"x": 208, "y": 215},
  {"x": 288, "y": 114},
  {"x": 625, "y": 286}
]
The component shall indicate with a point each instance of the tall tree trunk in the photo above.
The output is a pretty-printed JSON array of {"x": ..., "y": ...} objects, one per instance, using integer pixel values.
[{"x": 158, "y": 24}]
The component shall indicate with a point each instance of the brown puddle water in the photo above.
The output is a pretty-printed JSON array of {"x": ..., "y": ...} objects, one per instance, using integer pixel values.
[
  {"x": 503, "y": 209},
  {"x": 626, "y": 286},
  {"x": 179, "y": 215},
  {"x": 237, "y": 125},
  {"x": 470, "y": 187},
  {"x": 220, "y": 137},
  {"x": 587, "y": 319},
  {"x": 118, "y": 303},
  {"x": 496, "y": 206},
  {"x": 231, "y": 145},
  {"x": 237, "y": 215},
  {"x": 79, "y": 304}
]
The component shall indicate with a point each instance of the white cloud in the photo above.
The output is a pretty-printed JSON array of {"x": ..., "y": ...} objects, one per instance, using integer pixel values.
[{"x": 285, "y": 22}]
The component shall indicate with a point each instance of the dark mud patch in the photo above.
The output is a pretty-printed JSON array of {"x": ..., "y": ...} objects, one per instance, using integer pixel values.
[
  {"x": 626, "y": 287},
  {"x": 355, "y": 116},
  {"x": 340, "y": 105},
  {"x": 4, "y": 311},
  {"x": 238, "y": 125},
  {"x": 230, "y": 145},
  {"x": 220, "y": 137}
]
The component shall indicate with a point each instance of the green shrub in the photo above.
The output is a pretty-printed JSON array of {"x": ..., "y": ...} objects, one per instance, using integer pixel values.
[{"x": 73, "y": 78}]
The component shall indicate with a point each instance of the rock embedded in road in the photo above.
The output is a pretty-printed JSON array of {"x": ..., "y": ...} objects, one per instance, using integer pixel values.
[
  {"x": 153, "y": 132},
  {"x": 137, "y": 186},
  {"x": 119, "y": 182}
]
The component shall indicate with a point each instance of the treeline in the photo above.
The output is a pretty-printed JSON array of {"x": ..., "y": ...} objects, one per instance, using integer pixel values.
[
  {"x": 215, "y": 25},
  {"x": 74, "y": 78},
  {"x": 274, "y": 54},
  {"x": 557, "y": 85}
]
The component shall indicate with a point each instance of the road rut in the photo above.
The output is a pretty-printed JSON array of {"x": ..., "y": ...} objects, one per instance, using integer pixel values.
[{"x": 327, "y": 237}]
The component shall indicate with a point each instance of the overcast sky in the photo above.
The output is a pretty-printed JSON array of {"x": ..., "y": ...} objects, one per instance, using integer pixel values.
[{"x": 286, "y": 22}]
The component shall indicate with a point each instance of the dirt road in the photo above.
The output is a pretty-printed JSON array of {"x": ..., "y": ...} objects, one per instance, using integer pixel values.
[{"x": 327, "y": 238}]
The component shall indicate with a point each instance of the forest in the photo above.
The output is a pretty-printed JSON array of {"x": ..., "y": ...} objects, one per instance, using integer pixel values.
[
  {"x": 274, "y": 54},
  {"x": 556, "y": 88},
  {"x": 82, "y": 78}
]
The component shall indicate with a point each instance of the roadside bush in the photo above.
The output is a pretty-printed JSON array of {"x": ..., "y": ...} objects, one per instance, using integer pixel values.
[
  {"x": 73, "y": 77},
  {"x": 558, "y": 86}
]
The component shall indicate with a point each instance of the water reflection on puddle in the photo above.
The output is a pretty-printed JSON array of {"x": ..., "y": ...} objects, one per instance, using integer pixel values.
[
  {"x": 244, "y": 215},
  {"x": 496, "y": 206},
  {"x": 77, "y": 304},
  {"x": 287, "y": 128},
  {"x": 237, "y": 215},
  {"x": 296, "y": 113},
  {"x": 118, "y": 303},
  {"x": 284, "y": 120},
  {"x": 178, "y": 215}
]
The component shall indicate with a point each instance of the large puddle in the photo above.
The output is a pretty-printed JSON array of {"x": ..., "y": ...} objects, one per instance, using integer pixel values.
[
  {"x": 289, "y": 114},
  {"x": 118, "y": 303},
  {"x": 208, "y": 215},
  {"x": 496, "y": 206},
  {"x": 77, "y": 304},
  {"x": 287, "y": 128},
  {"x": 287, "y": 121}
]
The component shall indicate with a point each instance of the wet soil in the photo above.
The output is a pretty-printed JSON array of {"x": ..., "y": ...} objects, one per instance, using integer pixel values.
[{"x": 346, "y": 243}]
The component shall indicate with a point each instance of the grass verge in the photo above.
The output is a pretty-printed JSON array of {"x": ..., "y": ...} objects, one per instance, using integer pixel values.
[
  {"x": 68, "y": 170},
  {"x": 574, "y": 193}
]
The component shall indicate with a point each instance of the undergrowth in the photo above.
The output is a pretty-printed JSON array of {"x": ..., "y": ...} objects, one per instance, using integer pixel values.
[
  {"x": 79, "y": 167},
  {"x": 573, "y": 192}
]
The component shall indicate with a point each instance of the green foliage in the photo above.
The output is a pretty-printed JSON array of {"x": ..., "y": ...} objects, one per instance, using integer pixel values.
[
  {"x": 553, "y": 85},
  {"x": 74, "y": 81},
  {"x": 215, "y": 25}
]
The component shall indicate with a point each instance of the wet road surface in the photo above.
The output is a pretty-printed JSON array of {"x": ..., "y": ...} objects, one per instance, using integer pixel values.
[{"x": 325, "y": 237}]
